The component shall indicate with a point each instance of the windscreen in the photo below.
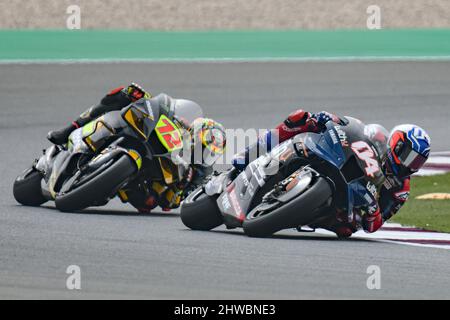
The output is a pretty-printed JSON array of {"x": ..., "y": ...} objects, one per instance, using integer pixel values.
[
  {"x": 187, "y": 111},
  {"x": 378, "y": 135}
]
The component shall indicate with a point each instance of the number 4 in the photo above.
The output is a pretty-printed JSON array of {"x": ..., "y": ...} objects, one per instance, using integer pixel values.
[{"x": 366, "y": 154}]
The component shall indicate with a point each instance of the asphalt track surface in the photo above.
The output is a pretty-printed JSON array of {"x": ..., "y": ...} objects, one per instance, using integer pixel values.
[{"x": 126, "y": 255}]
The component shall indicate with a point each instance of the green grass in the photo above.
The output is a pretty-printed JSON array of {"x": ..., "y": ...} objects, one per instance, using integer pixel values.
[{"x": 428, "y": 214}]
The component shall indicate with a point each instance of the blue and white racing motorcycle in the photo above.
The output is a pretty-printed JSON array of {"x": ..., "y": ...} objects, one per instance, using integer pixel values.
[{"x": 301, "y": 182}]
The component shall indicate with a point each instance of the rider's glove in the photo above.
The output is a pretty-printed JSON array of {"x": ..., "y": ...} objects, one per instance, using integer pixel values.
[
  {"x": 135, "y": 92},
  {"x": 323, "y": 117},
  {"x": 372, "y": 220}
]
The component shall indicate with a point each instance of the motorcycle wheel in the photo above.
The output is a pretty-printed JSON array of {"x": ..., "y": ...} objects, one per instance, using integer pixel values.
[
  {"x": 299, "y": 211},
  {"x": 27, "y": 188},
  {"x": 98, "y": 188},
  {"x": 200, "y": 211}
]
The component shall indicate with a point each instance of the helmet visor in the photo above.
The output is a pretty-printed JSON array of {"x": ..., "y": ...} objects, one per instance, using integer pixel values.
[{"x": 411, "y": 159}]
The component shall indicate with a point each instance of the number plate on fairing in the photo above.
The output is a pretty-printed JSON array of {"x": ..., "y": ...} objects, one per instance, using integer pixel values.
[{"x": 169, "y": 134}]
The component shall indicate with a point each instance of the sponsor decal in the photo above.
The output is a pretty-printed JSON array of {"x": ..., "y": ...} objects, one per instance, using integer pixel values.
[
  {"x": 342, "y": 136},
  {"x": 244, "y": 179},
  {"x": 256, "y": 170},
  {"x": 226, "y": 203},
  {"x": 259, "y": 175},
  {"x": 372, "y": 189},
  {"x": 251, "y": 190},
  {"x": 368, "y": 198},
  {"x": 333, "y": 136},
  {"x": 389, "y": 183},
  {"x": 402, "y": 196},
  {"x": 236, "y": 206},
  {"x": 150, "y": 111},
  {"x": 372, "y": 209},
  {"x": 278, "y": 150}
]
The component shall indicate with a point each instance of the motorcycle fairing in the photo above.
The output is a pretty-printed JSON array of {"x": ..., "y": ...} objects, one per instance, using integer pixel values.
[
  {"x": 334, "y": 146},
  {"x": 140, "y": 117},
  {"x": 169, "y": 134},
  {"x": 81, "y": 141},
  {"x": 60, "y": 162},
  {"x": 235, "y": 201},
  {"x": 96, "y": 132},
  {"x": 326, "y": 146}
]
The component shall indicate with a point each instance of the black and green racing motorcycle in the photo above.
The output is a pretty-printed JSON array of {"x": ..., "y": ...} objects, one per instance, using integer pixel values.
[{"x": 118, "y": 152}]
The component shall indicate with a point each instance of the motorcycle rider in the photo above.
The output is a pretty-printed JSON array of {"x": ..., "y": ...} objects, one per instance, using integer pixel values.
[
  {"x": 408, "y": 148},
  {"x": 114, "y": 100},
  {"x": 148, "y": 197}
]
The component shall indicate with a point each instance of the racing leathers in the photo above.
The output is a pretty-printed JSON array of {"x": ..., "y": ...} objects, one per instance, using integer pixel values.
[
  {"x": 142, "y": 195},
  {"x": 115, "y": 100},
  {"x": 391, "y": 196}
]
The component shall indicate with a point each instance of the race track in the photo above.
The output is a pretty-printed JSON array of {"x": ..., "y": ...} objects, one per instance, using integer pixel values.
[{"x": 126, "y": 255}]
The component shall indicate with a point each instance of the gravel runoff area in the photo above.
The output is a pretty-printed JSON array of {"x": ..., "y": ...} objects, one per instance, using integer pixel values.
[{"x": 219, "y": 14}]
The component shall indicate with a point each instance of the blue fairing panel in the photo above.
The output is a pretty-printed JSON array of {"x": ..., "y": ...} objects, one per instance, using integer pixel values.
[{"x": 327, "y": 146}]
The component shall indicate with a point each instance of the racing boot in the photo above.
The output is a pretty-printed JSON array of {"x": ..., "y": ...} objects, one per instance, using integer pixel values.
[{"x": 60, "y": 137}]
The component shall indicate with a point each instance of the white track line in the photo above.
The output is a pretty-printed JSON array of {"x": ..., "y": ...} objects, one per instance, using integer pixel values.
[
  {"x": 400, "y": 237},
  {"x": 227, "y": 60},
  {"x": 432, "y": 165},
  {"x": 430, "y": 172}
]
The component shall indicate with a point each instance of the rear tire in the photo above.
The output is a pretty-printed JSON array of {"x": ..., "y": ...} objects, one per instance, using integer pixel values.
[
  {"x": 99, "y": 188},
  {"x": 27, "y": 188},
  {"x": 299, "y": 211},
  {"x": 200, "y": 211}
]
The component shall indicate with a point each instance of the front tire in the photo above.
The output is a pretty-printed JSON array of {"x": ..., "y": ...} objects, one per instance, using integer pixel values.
[
  {"x": 27, "y": 188},
  {"x": 98, "y": 188},
  {"x": 200, "y": 211},
  {"x": 299, "y": 211}
]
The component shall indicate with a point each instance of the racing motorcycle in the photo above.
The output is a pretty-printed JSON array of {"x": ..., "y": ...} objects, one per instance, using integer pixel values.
[
  {"x": 300, "y": 183},
  {"x": 110, "y": 156}
]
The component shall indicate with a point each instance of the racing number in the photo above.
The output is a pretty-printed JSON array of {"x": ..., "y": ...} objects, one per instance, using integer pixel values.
[
  {"x": 366, "y": 154},
  {"x": 169, "y": 134}
]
